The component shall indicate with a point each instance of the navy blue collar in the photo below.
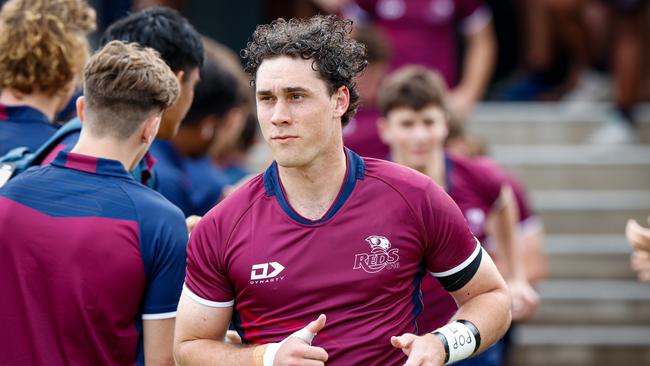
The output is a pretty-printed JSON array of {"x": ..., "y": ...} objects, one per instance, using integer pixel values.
[
  {"x": 22, "y": 113},
  {"x": 355, "y": 171},
  {"x": 449, "y": 168},
  {"x": 90, "y": 164},
  {"x": 164, "y": 150}
]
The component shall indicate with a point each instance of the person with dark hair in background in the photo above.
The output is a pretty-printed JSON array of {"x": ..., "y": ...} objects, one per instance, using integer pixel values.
[
  {"x": 186, "y": 175},
  {"x": 232, "y": 156},
  {"x": 312, "y": 235},
  {"x": 179, "y": 45},
  {"x": 43, "y": 49},
  {"x": 91, "y": 261}
]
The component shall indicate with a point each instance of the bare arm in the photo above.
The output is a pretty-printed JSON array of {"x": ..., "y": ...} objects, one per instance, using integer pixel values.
[
  {"x": 639, "y": 238},
  {"x": 201, "y": 330},
  {"x": 331, "y": 6},
  {"x": 503, "y": 228},
  {"x": 158, "y": 341},
  {"x": 504, "y": 232},
  {"x": 478, "y": 64},
  {"x": 484, "y": 301}
]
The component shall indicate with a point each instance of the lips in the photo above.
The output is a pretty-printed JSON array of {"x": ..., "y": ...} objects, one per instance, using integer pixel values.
[{"x": 284, "y": 138}]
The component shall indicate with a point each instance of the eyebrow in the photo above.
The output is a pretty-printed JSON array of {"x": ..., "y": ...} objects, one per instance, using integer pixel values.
[{"x": 287, "y": 90}]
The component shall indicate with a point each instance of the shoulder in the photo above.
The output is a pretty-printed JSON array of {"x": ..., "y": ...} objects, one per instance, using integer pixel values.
[
  {"x": 237, "y": 203},
  {"x": 477, "y": 169},
  {"x": 403, "y": 180},
  {"x": 151, "y": 205}
]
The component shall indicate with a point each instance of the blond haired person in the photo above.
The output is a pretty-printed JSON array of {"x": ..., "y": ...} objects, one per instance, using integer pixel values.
[{"x": 43, "y": 48}]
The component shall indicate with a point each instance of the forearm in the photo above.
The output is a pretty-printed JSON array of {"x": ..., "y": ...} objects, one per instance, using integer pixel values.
[
  {"x": 478, "y": 63},
  {"x": 505, "y": 235},
  {"x": 490, "y": 313},
  {"x": 331, "y": 6},
  {"x": 213, "y": 353}
]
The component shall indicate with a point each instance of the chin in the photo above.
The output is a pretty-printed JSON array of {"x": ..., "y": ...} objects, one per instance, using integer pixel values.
[
  {"x": 290, "y": 162},
  {"x": 287, "y": 159}
]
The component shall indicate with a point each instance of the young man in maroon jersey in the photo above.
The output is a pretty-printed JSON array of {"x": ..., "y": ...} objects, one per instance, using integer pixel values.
[
  {"x": 414, "y": 124},
  {"x": 324, "y": 231}
]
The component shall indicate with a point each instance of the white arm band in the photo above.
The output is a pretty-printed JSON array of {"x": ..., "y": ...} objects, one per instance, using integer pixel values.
[
  {"x": 272, "y": 349},
  {"x": 460, "y": 338}
]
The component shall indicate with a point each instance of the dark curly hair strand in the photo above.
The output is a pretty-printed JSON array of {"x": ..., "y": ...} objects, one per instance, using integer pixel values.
[{"x": 325, "y": 40}]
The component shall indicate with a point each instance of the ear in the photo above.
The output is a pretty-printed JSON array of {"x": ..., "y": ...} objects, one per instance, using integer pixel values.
[
  {"x": 207, "y": 128},
  {"x": 180, "y": 75},
  {"x": 382, "y": 130},
  {"x": 342, "y": 100},
  {"x": 150, "y": 129},
  {"x": 81, "y": 108}
]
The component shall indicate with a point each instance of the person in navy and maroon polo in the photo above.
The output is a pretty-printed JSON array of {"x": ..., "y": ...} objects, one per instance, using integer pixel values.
[
  {"x": 91, "y": 261},
  {"x": 328, "y": 235}
]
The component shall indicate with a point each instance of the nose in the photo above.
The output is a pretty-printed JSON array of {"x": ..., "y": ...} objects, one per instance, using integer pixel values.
[
  {"x": 280, "y": 114},
  {"x": 421, "y": 133}
]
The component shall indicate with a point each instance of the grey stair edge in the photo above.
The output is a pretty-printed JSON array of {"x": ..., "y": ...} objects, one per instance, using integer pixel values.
[
  {"x": 587, "y": 155},
  {"x": 549, "y": 112},
  {"x": 582, "y": 335},
  {"x": 597, "y": 290},
  {"x": 597, "y": 200},
  {"x": 586, "y": 244}
]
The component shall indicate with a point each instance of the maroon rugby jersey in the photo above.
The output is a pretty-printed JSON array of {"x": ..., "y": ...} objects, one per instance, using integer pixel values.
[{"x": 361, "y": 264}]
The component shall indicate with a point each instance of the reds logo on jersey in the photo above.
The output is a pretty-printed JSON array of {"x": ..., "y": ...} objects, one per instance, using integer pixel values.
[{"x": 381, "y": 255}]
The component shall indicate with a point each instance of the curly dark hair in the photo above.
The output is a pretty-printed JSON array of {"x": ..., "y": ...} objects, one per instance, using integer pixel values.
[{"x": 325, "y": 40}]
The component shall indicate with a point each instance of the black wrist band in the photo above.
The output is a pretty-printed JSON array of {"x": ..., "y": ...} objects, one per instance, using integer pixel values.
[
  {"x": 445, "y": 344},
  {"x": 474, "y": 330}
]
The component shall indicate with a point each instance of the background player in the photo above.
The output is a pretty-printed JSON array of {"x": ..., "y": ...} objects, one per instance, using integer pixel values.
[
  {"x": 187, "y": 176},
  {"x": 312, "y": 235},
  {"x": 414, "y": 125},
  {"x": 639, "y": 238},
  {"x": 179, "y": 45},
  {"x": 98, "y": 282},
  {"x": 43, "y": 49}
]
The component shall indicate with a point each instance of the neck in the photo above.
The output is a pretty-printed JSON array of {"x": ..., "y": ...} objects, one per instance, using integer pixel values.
[
  {"x": 186, "y": 142},
  {"x": 312, "y": 189},
  {"x": 46, "y": 104},
  {"x": 107, "y": 148},
  {"x": 434, "y": 168}
]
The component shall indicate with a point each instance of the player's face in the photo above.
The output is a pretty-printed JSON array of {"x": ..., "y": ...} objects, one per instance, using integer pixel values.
[
  {"x": 298, "y": 117},
  {"x": 173, "y": 116},
  {"x": 414, "y": 136}
]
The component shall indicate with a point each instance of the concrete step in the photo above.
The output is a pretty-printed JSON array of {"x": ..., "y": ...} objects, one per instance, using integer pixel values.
[
  {"x": 594, "y": 290},
  {"x": 581, "y": 345},
  {"x": 590, "y": 211},
  {"x": 594, "y": 302},
  {"x": 583, "y": 335},
  {"x": 582, "y": 266},
  {"x": 577, "y": 166},
  {"x": 577, "y": 312},
  {"x": 573, "y": 355},
  {"x": 544, "y": 123},
  {"x": 588, "y": 257},
  {"x": 586, "y": 245}
]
